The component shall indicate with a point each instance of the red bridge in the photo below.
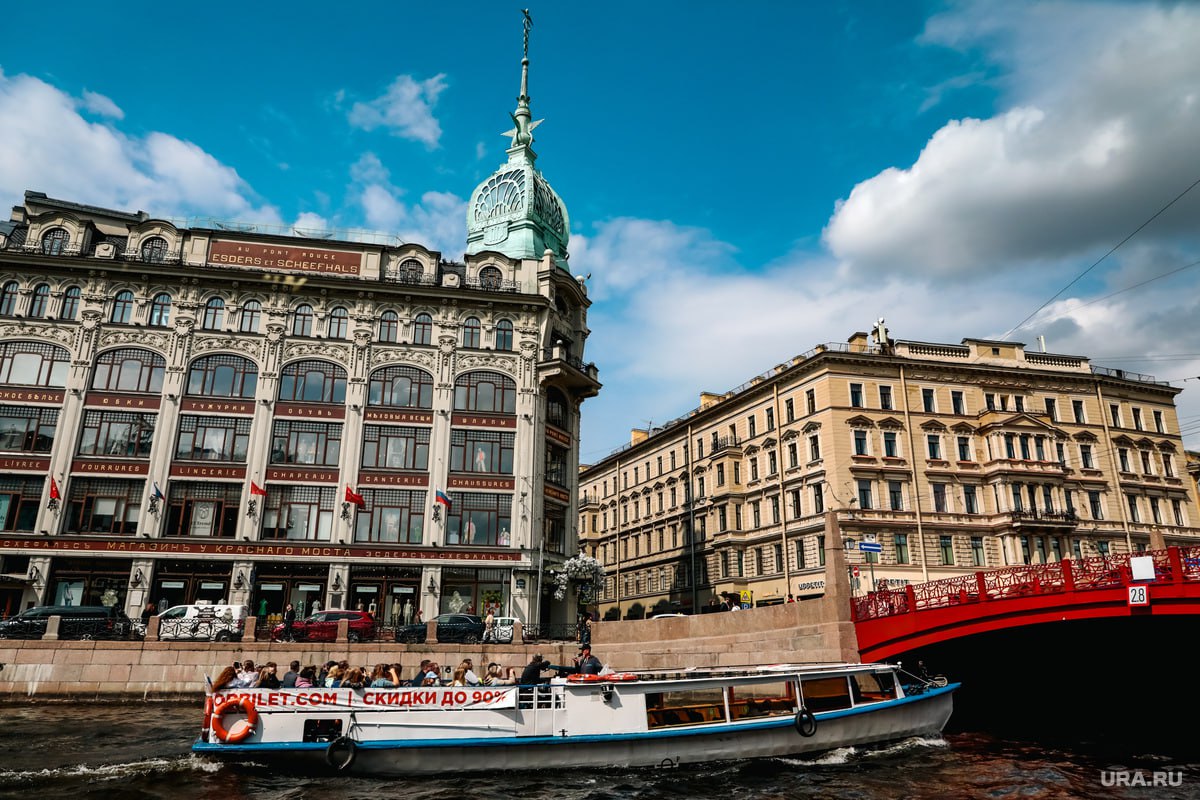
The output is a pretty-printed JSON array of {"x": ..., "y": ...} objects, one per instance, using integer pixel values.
[{"x": 889, "y": 623}]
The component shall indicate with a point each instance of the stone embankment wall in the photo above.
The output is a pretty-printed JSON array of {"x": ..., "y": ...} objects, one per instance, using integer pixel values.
[{"x": 102, "y": 669}]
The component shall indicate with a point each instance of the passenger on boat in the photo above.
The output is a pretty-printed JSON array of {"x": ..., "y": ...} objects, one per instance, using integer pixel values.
[
  {"x": 459, "y": 678},
  {"x": 434, "y": 676},
  {"x": 333, "y": 678},
  {"x": 384, "y": 677},
  {"x": 289, "y": 677},
  {"x": 306, "y": 677},
  {"x": 355, "y": 678},
  {"x": 419, "y": 678},
  {"x": 586, "y": 663},
  {"x": 534, "y": 669},
  {"x": 225, "y": 680},
  {"x": 268, "y": 677},
  {"x": 469, "y": 675},
  {"x": 247, "y": 677},
  {"x": 499, "y": 676}
]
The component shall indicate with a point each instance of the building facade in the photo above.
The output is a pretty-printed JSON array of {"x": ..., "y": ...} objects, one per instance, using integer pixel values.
[
  {"x": 209, "y": 412},
  {"x": 948, "y": 457}
]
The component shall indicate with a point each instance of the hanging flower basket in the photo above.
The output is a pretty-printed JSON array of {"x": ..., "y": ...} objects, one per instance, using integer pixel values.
[{"x": 582, "y": 570}]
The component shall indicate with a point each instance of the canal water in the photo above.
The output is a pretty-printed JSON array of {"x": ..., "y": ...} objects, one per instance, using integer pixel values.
[{"x": 140, "y": 750}]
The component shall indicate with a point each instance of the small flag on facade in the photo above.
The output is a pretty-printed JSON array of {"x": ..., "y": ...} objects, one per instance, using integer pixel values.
[
  {"x": 54, "y": 493},
  {"x": 256, "y": 489},
  {"x": 354, "y": 497},
  {"x": 443, "y": 498},
  {"x": 158, "y": 495}
]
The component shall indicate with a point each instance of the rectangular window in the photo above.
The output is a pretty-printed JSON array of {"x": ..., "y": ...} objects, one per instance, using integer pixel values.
[
  {"x": 478, "y": 518},
  {"x": 810, "y": 399},
  {"x": 934, "y": 443},
  {"x": 752, "y": 426},
  {"x": 753, "y": 469},
  {"x": 1020, "y": 402},
  {"x": 755, "y": 514},
  {"x": 820, "y": 550},
  {"x": 27, "y": 429},
  {"x": 303, "y": 442},
  {"x": 203, "y": 508},
  {"x": 1155, "y": 511},
  {"x": 1094, "y": 504},
  {"x": 796, "y": 509},
  {"x": 1085, "y": 456},
  {"x": 801, "y": 562},
  {"x": 1024, "y": 439},
  {"x": 1137, "y": 419},
  {"x": 1123, "y": 459},
  {"x": 1114, "y": 411},
  {"x": 116, "y": 433},
  {"x": 946, "y": 544},
  {"x": 1158, "y": 422},
  {"x": 896, "y": 495},
  {"x": 393, "y": 516},
  {"x": 990, "y": 400},
  {"x": 1010, "y": 451},
  {"x": 900, "y": 540},
  {"x": 927, "y": 400},
  {"x": 700, "y": 487},
  {"x": 1145, "y": 463},
  {"x": 970, "y": 500},
  {"x": 977, "y": 557},
  {"x": 964, "y": 448},
  {"x": 789, "y": 410},
  {"x": 889, "y": 444},
  {"x": 856, "y": 395},
  {"x": 793, "y": 455},
  {"x": 864, "y": 494},
  {"x": 722, "y": 523},
  {"x": 1177, "y": 507},
  {"x": 770, "y": 419},
  {"x": 775, "y": 510},
  {"x": 1077, "y": 410},
  {"x": 1102, "y": 547},
  {"x": 1051, "y": 409},
  {"x": 939, "y": 497},
  {"x": 213, "y": 438},
  {"x": 395, "y": 447},
  {"x": 1134, "y": 516},
  {"x": 772, "y": 463},
  {"x": 818, "y": 499},
  {"x": 1168, "y": 467},
  {"x": 20, "y": 502},
  {"x": 720, "y": 474},
  {"x": 814, "y": 448},
  {"x": 860, "y": 442},
  {"x": 1060, "y": 451},
  {"x": 885, "y": 398},
  {"x": 1018, "y": 502},
  {"x": 104, "y": 505},
  {"x": 956, "y": 403},
  {"x": 1039, "y": 447}
]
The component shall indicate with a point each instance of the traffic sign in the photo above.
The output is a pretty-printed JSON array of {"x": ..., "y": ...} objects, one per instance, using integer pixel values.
[
  {"x": 870, "y": 547},
  {"x": 1138, "y": 595}
]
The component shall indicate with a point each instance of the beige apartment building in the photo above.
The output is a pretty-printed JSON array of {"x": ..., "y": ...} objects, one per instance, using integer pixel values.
[
  {"x": 198, "y": 411},
  {"x": 950, "y": 457}
]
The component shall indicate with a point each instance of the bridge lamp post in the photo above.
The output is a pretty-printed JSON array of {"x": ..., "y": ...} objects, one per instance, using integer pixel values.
[{"x": 848, "y": 544}]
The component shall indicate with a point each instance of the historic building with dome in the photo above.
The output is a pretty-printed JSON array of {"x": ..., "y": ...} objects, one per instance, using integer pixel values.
[{"x": 225, "y": 412}]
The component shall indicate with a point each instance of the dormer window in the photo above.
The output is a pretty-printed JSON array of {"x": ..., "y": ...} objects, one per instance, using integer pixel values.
[
  {"x": 55, "y": 241},
  {"x": 154, "y": 250},
  {"x": 490, "y": 278},
  {"x": 411, "y": 271}
]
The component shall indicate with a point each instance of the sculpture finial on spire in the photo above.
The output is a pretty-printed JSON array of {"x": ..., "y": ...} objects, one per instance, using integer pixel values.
[{"x": 522, "y": 133}]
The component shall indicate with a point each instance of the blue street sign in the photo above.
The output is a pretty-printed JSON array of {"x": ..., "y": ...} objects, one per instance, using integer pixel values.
[{"x": 870, "y": 547}]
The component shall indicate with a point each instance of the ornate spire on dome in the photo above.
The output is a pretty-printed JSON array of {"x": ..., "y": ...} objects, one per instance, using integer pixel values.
[{"x": 522, "y": 132}]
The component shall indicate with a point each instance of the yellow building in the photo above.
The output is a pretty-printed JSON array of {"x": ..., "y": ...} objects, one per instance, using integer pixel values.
[{"x": 949, "y": 457}]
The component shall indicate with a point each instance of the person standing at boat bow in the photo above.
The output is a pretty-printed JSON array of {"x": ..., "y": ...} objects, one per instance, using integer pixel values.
[{"x": 586, "y": 663}]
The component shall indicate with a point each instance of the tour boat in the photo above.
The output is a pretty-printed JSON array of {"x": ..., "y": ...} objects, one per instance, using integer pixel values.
[{"x": 630, "y": 719}]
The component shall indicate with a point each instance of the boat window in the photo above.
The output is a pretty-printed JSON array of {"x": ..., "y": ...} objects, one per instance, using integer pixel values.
[
  {"x": 825, "y": 694},
  {"x": 873, "y": 687},
  {"x": 687, "y": 707},
  {"x": 762, "y": 700}
]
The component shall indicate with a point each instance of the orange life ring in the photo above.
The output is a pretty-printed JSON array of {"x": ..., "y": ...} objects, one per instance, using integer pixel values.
[
  {"x": 239, "y": 730},
  {"x": 208, "y": 709},
  {"x": 620, "y": 676},
  {"x": 577, "y": 678}
]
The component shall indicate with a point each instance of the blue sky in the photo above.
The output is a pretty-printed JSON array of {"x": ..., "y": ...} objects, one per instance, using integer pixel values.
[{"x": 744, "y": 180}]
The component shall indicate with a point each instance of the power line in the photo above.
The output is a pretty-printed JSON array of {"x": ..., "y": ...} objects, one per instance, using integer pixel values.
[
  {"x": 1071, "y": 310},
  {"x": 1114, "y": 249}
]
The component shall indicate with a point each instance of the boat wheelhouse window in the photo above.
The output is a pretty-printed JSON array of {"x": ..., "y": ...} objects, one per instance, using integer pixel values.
[
  {"x": 775, "y": 699},
  {"x": 696, "y": 706},
  {"x": 873, "y": 687},
  {"x": 825, "y": 694}
]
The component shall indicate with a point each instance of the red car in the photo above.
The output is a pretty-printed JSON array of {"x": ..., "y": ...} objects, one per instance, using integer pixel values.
[{"x": 323, "y": 626}]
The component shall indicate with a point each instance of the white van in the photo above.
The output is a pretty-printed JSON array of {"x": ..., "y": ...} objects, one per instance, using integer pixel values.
[{"x": 202, "y": 622}]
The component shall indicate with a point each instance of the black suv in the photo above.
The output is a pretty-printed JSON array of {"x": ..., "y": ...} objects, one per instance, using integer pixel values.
[
  {"x": 78, "y": 622},
  {"x": 466, "y": 628}
]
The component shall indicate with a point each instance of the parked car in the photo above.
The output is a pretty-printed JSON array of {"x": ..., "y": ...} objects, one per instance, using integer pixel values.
[
  {"x": 322, "y": 627},
  {"x": 78, "y": 622},
  {"x": 202, "y": 622},
  {"x": 466, "y": 628}
]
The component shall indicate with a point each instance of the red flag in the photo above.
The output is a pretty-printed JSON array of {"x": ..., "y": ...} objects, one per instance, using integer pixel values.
[
  {"x": 256, "y": 489},
  {"x": 355, "y": 497},
  {"x": 54, "y": 494}
]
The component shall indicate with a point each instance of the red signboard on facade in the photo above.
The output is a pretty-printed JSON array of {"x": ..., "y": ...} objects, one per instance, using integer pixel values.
[
  {"x": 555, "y": 435},
  {"x": 217, "y": 406},
  {"x": 123, "y": 401},
  {"x": 17, "y": 464},
  {"x": 301, "y": 475},
  {"x": 253, "y": 255},
  {"x": 31, "y": 396},
  {"x": 309, "y": 411},
  {"x": 386, "y": 479},
  {"x": 207, "y": 471},
  {"x": 482, "y": 421},
  {"x": 468, "y": 482},
  {"x": 97, "y": 467},
  {"x": 396, "y": 415}
]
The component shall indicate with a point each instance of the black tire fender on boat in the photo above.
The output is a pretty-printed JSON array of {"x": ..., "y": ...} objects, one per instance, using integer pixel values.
[
  {"x": 806, "y": 723},
  {"x": 341, "y": 752}
]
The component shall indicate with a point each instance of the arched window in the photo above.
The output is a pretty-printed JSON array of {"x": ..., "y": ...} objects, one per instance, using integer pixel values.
[
  {"x": 339, "y": 323},
  {"x": 504, "y": 335},
  {"x": 422, "y": 329},
  {"x": 312, "y": 382},
  {"x": 70, "y": 304},
  {"x": 222, "y": 375},
  {"x": 302, "y": 321},
  {"x": 556, "y": 408},
  {"x": 55, "y": 241},
  {"x": 405, "y": 387},
  {"x": 214, "y": 314},
  {"x": 470, "y": 336},
  {"x": 160, "y": 310},
  {"x": 8, "y": 298},
  {"x": 489, "y": 392},
  {"x": 39, "y": 301},
  {"x": 122, "y": 310},
  {"x": 491, "y": 278},
  {"x": 251, "y": 313},
  {"x": 154, "y": 250},
  {"x": 129, "y": 369},
  {"x": 411, "y": 271},
  {"x": 389, "y": 327},
  {"x": 33, "y": 364}
]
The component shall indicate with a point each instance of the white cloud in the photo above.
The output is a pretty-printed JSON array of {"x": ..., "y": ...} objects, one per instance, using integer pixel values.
[
  {"x": 1104, "y": 111},
  {"x": 405, "y": 109},
  {"x": 49, "y": 147},
  {"x": 99, "y": 104},
  {"x": 437, "y": 221}
]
